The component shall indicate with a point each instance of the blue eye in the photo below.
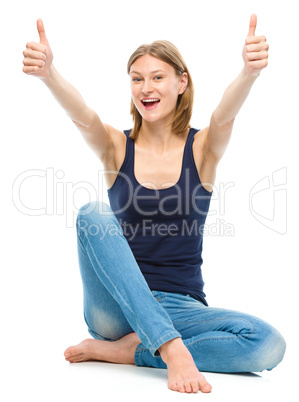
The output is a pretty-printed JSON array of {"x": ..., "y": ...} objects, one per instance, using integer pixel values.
[
  {"x": 159, "y": 77},
  {"x": 136, "y": 79}
]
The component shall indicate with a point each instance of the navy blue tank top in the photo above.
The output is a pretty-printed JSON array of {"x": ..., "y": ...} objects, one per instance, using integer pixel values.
[{"x": 164, "y": 227}]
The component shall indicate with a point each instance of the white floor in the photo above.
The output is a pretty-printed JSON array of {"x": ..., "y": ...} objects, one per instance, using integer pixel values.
[{"x": 45, "y": 376}]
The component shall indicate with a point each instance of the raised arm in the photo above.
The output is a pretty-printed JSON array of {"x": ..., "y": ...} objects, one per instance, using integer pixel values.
[
  {"x": 38, "y": 62},
  {"x": 255, "y": 56}
]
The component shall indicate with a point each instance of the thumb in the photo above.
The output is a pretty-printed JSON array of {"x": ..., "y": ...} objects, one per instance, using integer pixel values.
[
  {"x": 252, "y": 25},
  {"x": 41, "y": 31}
]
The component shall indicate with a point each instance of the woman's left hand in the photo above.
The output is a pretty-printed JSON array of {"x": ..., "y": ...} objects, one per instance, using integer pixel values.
[{"x": 255, "y": 51}]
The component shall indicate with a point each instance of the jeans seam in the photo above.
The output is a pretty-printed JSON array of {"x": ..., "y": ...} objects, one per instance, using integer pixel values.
[
  {"x": 139, "y": 349},
  {"x": 222, "y": 318},
  {"x": 163, "y": 297},
  {"x": 228, "y": 338}
]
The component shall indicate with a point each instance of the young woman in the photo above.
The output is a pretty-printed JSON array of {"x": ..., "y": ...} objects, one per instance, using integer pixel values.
[{"x": 140, "y": 258}]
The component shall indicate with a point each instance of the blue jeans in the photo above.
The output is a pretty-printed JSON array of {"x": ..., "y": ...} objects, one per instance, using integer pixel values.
[{"x": 118, "y": 301}]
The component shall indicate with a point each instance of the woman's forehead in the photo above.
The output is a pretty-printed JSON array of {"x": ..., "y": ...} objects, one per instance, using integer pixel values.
[{"x": 148, "y": 63}]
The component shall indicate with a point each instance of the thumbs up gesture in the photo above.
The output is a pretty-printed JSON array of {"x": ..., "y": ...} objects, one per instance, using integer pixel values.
[
  {"x": 255, "y": 51},
  {"x": 38, "y": 57}
]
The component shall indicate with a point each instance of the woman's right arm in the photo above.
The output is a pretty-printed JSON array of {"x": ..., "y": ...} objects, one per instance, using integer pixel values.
[{"x": 38, "y": 61}]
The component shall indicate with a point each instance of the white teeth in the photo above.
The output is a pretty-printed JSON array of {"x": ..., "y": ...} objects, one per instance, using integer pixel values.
[{"x": 150, "y": 100}]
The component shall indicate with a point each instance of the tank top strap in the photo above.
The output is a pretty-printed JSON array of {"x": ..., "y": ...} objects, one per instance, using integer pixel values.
[
  {"x": 127, "y": 132},
  {"x": 188, "y": 161},
  {"x": 128, "y": 163}
]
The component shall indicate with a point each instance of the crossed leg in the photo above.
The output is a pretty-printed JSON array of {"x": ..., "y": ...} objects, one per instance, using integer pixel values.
[
  {"x": 119, "y": 308},
  {"x": 129, "y": 325}
]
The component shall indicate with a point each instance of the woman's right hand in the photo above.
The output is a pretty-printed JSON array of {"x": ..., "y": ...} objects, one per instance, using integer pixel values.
[{"x": 38, "y": 57}]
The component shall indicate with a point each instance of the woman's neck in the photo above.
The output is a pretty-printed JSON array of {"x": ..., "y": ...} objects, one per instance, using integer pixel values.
[{"x": 158, "y": 137}]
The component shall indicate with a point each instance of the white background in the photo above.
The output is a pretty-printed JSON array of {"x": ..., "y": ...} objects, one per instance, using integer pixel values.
[{"x": 254, "y": 271}]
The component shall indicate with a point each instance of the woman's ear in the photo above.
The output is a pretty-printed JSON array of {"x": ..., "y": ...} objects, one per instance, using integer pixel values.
[{"x": 183, "y": 83}]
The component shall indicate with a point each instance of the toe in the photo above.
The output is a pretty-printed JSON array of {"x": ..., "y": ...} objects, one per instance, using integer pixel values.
[
  {"x": 188, "y": 388},
  {"x": 74, "y": 358},
  {"x": 206, "y": 387},
  {"x": 70, "y": 351},
  {"x": 67, "y": 352},
  {"x": 195, "y": 387},
  {"x": 173, "y": 386}
]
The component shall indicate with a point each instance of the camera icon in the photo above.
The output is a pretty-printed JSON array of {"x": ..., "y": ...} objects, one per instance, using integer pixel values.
[{"x": 268, "y": 201}]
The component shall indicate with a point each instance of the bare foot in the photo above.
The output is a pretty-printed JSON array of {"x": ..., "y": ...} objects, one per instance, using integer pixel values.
[
  {"x": 183, "y": 375},
  {"x": 121, "y": 351}
]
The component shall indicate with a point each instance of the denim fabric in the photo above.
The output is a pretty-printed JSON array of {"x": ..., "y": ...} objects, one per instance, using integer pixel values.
[
  {"x": 118, "y": 301},
  {"x": 219, "y": 340}
]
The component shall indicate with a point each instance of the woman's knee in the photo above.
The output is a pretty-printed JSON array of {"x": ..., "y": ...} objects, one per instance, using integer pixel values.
[
  {"x": 94, "y": 207},
  {"x": 105, "y": 324},
  {"x": 93, "y": 214},
  {"x": 271, "y": 349}
]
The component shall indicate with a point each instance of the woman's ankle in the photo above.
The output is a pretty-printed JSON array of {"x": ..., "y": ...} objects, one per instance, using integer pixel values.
[{"x": 171, "y": 348}]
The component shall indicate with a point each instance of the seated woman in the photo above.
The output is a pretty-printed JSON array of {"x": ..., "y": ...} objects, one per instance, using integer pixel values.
[{"x": 140, "y": 257}]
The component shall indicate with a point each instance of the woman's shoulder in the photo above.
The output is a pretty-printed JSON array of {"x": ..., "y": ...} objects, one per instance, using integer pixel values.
[
  {"x": 117, "y": 135},
  {"x": 200, "y": 134},
  {"x": 114, "y": 160}
]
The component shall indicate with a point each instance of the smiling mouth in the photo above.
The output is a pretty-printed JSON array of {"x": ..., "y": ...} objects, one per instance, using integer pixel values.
[{"x": 150, "y": 103}]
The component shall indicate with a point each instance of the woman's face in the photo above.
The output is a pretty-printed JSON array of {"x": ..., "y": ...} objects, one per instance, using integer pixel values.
[{"x": 155, "y": 88}]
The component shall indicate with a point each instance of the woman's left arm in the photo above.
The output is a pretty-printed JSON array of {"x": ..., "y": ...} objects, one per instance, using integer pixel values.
[{"x": 255, "y": 56}]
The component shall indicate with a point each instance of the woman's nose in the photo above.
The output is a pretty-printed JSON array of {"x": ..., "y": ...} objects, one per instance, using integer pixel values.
[{"x": 147, "y": 87}]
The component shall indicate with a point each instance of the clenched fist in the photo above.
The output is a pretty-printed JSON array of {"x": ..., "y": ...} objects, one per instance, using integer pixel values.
[
  {"x": 255, "y": 51},
  {"x": 38, "y": 57}
]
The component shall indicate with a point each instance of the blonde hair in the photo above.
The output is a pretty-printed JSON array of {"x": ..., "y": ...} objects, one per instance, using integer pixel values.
[{"x": 167, "y": 52}]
